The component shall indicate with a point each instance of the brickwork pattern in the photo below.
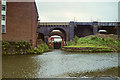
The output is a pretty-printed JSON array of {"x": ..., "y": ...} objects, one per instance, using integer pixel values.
[{"x": 21, "y": 22}]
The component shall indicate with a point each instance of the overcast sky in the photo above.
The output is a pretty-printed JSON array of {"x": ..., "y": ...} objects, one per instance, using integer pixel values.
[{"x": 77, "y": 10}]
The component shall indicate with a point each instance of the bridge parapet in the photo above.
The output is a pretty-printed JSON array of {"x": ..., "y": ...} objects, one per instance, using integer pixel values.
[
  {"x": 98, "y": 23},
  {"x": 53, "y": 23},
  {"x": 84, "y": 23},
  {"x": 44, "y": 24},
  {"x": 108, "y": 23}
]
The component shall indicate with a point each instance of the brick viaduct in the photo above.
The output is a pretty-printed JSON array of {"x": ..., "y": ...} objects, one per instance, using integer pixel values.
[{"x": 80, "y": 29}]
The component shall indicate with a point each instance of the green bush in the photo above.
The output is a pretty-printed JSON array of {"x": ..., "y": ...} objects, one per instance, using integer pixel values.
[
  {"x": 5, "y": 46},
  {"x": 75, "y": 39},
  {"x": 39, "y": 49},
  {"x": 95, "y": 41},
  {"x": 70, "y": 43},
  {"x": 23, "y": 47}
]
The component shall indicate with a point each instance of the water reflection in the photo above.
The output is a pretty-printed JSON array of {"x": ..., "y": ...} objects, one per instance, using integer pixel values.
[{"x": 55, "y": 63}]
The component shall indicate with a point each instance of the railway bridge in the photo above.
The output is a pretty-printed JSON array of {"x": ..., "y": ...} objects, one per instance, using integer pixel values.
[{"x": 80, "y": 29}]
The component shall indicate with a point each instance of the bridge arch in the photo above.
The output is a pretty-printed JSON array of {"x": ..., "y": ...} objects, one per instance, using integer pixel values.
[
  {"x": 65, "y": 27},
  {"x": 62, "y": 33}
]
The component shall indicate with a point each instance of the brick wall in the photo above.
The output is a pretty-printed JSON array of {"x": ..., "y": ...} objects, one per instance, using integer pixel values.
[
  {"x": 34, "y": 23},
  {"x": 0, "y": 21},
  {"x": 21, "y": 22}
]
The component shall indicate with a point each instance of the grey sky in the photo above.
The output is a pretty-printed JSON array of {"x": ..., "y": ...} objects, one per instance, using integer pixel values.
[{"x": 79, "y": 11}]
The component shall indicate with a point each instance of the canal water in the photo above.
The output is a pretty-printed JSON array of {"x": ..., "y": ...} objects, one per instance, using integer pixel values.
[{"x": 56, "y": 63}]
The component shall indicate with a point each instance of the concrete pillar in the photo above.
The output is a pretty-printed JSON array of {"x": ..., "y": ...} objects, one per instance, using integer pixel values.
[
  {"x": 71, "y": 31},
  {"x": 95, "y": 27}
]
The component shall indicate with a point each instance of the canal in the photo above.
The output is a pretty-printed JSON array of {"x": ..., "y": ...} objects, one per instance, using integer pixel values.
[{"x": 56, "y": 64}]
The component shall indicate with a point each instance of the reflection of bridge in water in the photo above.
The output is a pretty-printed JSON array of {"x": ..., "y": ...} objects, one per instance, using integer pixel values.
[{"x": 70, "y": 29}]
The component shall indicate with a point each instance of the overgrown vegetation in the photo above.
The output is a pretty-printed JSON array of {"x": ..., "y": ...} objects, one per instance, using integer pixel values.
[
  {"x": 5, "y": 46},
  {"x": 42, "y": 47},
  {"x": 95, "y": 44},
  {"x": 23, "y": 47}
]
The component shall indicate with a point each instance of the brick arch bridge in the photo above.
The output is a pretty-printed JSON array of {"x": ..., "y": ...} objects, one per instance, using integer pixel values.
[
  {"x": 79, "y": 29},
  {"x": 65, "y": 27}
]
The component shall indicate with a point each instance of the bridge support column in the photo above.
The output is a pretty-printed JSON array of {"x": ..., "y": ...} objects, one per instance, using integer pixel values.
[
  {"x": 95, "y": 28},
  {"x": 118, "y": 29},
  {"x": 46, "y": 39},
  {"x": 71, "y": 31}
]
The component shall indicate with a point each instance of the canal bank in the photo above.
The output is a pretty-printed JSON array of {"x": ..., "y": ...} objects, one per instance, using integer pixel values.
[
  {"x": 94, "y": 43},
  {"x": 57, "y": 63},
  {"x": 23, "y": 48}
]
